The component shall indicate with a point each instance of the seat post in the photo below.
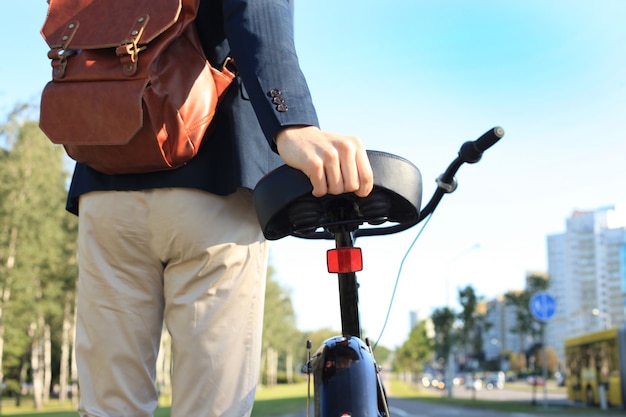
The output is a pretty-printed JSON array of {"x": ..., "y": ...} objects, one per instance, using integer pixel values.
[{"x": 348, "y": 291}]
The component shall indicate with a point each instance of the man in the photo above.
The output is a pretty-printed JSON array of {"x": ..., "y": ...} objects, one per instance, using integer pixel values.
[{"x": 185, "y": 247}]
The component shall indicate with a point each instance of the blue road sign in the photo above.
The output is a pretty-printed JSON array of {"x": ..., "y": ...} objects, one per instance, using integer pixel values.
[{"x": 542, "y": 306}]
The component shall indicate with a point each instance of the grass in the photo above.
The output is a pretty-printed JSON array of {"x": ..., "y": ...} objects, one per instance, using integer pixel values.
[
  {"x": 402, "y": 390},
  {"x": 280, "y": 400},
  {"x": 288, "y": 399}
]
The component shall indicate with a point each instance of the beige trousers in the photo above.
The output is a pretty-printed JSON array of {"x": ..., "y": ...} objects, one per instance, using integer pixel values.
[{"x": 192, "y": 259}]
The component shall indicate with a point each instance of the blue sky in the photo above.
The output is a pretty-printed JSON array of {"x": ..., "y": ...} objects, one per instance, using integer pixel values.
[{"x": 418, "y": 78}]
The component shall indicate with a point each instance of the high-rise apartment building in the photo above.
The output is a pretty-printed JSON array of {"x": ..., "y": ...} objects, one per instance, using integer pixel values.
[{"x": 587, "y": 270}]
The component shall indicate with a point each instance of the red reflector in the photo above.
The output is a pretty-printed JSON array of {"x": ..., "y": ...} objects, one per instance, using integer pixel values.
[{"x": 344, "y": 260}]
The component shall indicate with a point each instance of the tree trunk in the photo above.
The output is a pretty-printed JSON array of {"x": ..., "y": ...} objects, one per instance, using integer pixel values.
[
  {"x": 64, "y": 366},
  {"x": 47, "y": 357},
  {"x": 289, "y": 366},
  {"x": 36, "y": 367},
  {"x": 6, "y": 296},
  {"x": 74, "y": 369},
  {"x": 2, "y": 346},
  {"x": 23, "y": 375},
  {"x": 272, "y": 367}
]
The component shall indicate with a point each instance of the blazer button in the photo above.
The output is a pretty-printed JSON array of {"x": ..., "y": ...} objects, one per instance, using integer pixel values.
[
  {"x": 278, "y": 100},
  {"x": 275, "y": 92},
  {"x": 282, "y": 107}
]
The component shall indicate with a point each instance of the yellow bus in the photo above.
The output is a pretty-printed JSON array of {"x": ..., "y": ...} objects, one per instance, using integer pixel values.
[{"x": 595, "y": 368}]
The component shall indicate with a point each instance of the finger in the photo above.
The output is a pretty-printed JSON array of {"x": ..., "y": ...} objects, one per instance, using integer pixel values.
[
  {"x": 350, "y": 171},
  {"x": 318, "y": 180},
  {"x": 334, "y": 177},
  {"x": 366, "y": 175}
]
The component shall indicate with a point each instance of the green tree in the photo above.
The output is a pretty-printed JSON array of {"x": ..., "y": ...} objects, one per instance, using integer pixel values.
[
  {"x": 317, "y": 337},
  {"x": 381, "y": 354},
  {"x": 37, "y": 245},
  {"x": 280, "y": 332},
  {"x": 443, "y": 321},
  {"x": 525, "y": 324},
  {"x": 473, "y": 324},
  {"x": 416, "y": 351}
]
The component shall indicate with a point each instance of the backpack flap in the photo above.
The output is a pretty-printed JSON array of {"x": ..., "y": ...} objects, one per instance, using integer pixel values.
[
  {"x": 92, "y": 113},
  {"x": 73, "y": 26},
  {"x": 106, "y": 23}
]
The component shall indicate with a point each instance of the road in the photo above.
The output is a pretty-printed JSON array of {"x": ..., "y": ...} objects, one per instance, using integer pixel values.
[
  {"x": 507, "y": 394},
  {"x": 415, "y": 408}
]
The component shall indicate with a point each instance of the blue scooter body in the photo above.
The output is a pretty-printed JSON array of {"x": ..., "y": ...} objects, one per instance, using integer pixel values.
[{"x": 345, "y": 379}]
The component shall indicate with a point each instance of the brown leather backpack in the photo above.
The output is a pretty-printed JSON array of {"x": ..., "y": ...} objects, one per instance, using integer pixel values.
[{"x": 131, "y": 88}]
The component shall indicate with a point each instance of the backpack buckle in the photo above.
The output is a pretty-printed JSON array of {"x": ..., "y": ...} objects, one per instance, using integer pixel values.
[
  {"x": 129, "y": 48},
  {"x": 59, "y": 52},
  {"x": 128, "y": 51}
]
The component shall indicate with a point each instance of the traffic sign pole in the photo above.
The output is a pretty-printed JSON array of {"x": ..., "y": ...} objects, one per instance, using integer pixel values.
[{"x": 543, "y": 307}]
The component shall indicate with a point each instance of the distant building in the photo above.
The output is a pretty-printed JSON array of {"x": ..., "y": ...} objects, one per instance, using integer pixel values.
[
  {"x": 499, "y": 337},
  {"x": 587, "y": 270},
  {"x": 415, "y": 317},
  {"x": 502, "y": 317}
]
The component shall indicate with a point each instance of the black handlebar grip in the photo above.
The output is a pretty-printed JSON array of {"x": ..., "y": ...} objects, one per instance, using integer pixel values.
[
  {"x": 472, "y": 151},
  {"x": 488, "y": 139}
]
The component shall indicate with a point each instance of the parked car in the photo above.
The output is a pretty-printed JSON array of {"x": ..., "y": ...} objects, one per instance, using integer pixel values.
[
  {"x": 535, "y": 380},
  {"x": 473, "y": 382},
  {"x": 495, "y": 381}
]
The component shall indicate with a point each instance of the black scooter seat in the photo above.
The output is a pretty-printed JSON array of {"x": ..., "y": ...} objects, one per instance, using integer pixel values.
[{"x": 285, "y": 205}]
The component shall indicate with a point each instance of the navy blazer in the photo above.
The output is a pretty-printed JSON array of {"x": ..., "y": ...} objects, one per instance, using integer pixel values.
[{"x": 270, "y": 93}]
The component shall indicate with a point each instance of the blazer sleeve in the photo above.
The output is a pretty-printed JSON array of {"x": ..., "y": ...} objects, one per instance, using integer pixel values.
[{"x": 260, "y": 35}]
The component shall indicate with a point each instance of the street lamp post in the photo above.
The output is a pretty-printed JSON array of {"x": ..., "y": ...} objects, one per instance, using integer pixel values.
[{"x": 450, "y": 360}]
